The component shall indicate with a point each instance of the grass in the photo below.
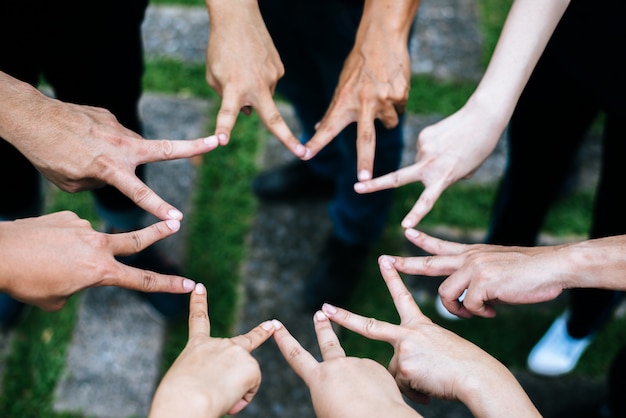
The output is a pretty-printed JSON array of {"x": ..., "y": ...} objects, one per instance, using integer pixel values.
[{"x": 221, "y": 218}]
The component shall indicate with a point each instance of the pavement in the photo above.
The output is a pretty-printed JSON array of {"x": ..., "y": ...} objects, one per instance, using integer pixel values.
[{"x": 112, "y": 363}]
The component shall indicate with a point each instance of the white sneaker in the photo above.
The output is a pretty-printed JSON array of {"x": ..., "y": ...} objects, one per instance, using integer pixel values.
[{"x": 557, "y": 352}]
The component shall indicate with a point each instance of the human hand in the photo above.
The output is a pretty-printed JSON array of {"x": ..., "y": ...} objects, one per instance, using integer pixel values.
[
  {"x": 447, "y": 151},
  {"x": 341, "y": 386},
  {"x": 82, "y": 147},
  {"x": 492, "y": 274},
  {"x": 243, "y": 67},
  {"x": 374, "y": 82},
  {"x": 211, "y": 376},
  {"x": 47, "y": 259},
  {"x": 430, "y": 361}
]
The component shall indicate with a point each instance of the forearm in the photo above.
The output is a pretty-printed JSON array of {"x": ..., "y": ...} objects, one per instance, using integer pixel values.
[
  {"x": 526, "y": 32},
  {"x": 389, "y": 19},
  {"x": 598, "y": 263},
  {"x": 18, "y": 104},
  {"x": 496, "y": 393}
]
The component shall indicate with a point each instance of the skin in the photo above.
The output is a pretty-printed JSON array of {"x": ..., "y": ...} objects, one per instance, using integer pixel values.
[
  {"x": 430, "y": 361},
  {"x": 494, "y": 274},
  {"x": 211, "y": 376},
  {"x": 374, "y": 82},
  {"x": 341, "y": 386},
  {"x": 82, "y": 147},
  {"x": 81, "y": 257},
  {"x": 454, "y": 148}
]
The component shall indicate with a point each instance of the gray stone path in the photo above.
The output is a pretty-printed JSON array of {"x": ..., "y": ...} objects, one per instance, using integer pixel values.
[{"x": 113, "y": 359}]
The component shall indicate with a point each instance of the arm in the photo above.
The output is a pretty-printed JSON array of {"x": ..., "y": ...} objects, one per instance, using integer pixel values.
[
  {"x": 495, "y": 274},
  {"x": 211, "y": 376},
  {"x": 430, "y": 361},
  {"x": 45, "y": 260},
  {"x": 340, "y": 386},
  {"x": 243, "y": 67},
  {"x": 81, "y": 147},
  {"x": 374, "y": 82},
  {"x": 455, "y": 147}
]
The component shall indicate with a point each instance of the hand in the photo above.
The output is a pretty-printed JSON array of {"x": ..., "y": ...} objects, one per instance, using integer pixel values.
[
  {"x": 374, "y": 82},
  {"x": 82, "y": 147},
  {"x": 492, "y": 274},
  {"x": 47, "y": 259},
  {"x": 430, "y": 361},
  {"x": 243, "y": 67},
  {"x": 447, "y": 151},
  {"x": 211, "y": 376},
  {"x": 341, "y": 386}
]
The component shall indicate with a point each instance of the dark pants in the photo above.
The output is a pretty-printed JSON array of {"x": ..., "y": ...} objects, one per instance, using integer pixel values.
[
  {"x": 89, "y": 53},
  {"x": 580, "y": 75},
  {"x": 313, "y": 40}
]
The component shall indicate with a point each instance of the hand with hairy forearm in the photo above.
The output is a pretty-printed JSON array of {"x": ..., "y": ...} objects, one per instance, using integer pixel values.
[
  {"x": 82, "y": 147},
  {"x": 374, "y": 82},
  {"x": 243, "y": 67},
  {"x": 494, "y": 274},
  {"x": 455, "y": 148}
]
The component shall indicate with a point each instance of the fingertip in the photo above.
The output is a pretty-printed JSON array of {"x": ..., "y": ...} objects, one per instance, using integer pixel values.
[
  {"x": 329, "y": 309},
  {"x": 411, "y": 233},
  {"x": 200, "y": 289},
  {"x": 387, "y": 261},
  {"x": 359, "y": 188},
  {"x": 212, "y": 141},
  {"x": 268, "y": 326},
  {"x": 408, "y": 222},
  {"x": 175, "y": 214},
  {"x": 277, "y": 324},
  {"x": 301, "y": 151},
  {"x": 189, "y": 285},
  {"x": 223, "y": 138},
  {"x": 320, "y": 316},
  {"x": 173, "y": 224},
  {"x": 364, "y": 175}
]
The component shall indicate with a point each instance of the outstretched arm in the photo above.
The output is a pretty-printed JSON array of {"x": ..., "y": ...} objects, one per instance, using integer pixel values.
[
  {"x": 495, "y": 274},
  {"x": 82, "y": 147},
  {"x": 455, "y": 148},
  {"x": 374, "y": 82}
]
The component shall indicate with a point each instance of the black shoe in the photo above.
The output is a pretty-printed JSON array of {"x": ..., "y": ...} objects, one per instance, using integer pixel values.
[
  {"x": 291, "y": 181},
  {"x": 336, "y": 274},
  {"x": 169, "y": 306},
  {"x": 11, "y": 312}
]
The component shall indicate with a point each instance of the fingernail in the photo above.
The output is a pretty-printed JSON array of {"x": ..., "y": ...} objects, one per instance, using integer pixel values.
[
  {"x": 359, "y": 188},
  {"x": 175, "y": 214},
  {"x": 364, "y": 175},
  {"x": 200, "y": 289},
  {"x": 211, "y": 141},
  {"x": 319, "y": 316},
  {"x": 387, "y": 261},
  {"x": 329, "y": 309},
  {"x": 173, "y": 224},
  {"x": 223, "y": 139},
  {"x": 267, "y": 326},
  {"x": 407, "y": 223},
  {"x": 188, "y": 285},
  {"x": 412, "y": 233},
  {"x": 277, "y": 324}
]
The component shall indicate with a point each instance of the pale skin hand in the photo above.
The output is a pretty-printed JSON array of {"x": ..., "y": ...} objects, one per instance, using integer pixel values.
[
  {"x": 243, "y": 67},
  {"x": 455, "y": 148},
  {"x": 47, "y": 259},
  {"x": 341, "y": 386},
  {"x": 211, "y": 376},
  {"x": 495, "y": 274},
  {"x": 430, "y": 361},
  {"x": 82, "y": 147},
  {"x": 374, "y": 82}
]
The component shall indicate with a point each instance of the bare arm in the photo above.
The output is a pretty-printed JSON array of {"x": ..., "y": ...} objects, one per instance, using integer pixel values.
[{"x": 454, "y": 148}]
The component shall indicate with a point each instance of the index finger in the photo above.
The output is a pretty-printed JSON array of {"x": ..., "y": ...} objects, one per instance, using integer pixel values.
[
  {"x": 300, "y": 360},
  {"x": 199, "y": 323},
  {"x": 128, "y": 243},
  {"x": 329, "y": 127},
  {"x": 154, "y": 150},
  {"x": 424, "y": 204},
  {"x": 402, "y": 298},
  {"x": 274, "y": 122},
  {"x": 326, "y": 338},
  {"x": 368, "y": 327},
  {"x": 227, "y": 115},
  {"x": 391, "y": 180}
]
